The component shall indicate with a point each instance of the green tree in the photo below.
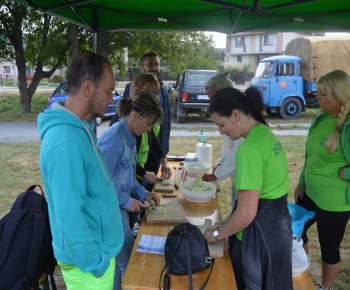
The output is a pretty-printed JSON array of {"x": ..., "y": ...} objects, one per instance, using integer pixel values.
[
  {"x": 179, "y": 50},
  {"x": 34, "y": 39},
  {"x": 113, "y": 45}
]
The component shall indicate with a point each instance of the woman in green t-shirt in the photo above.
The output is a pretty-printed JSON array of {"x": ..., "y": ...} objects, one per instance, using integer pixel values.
[
  {"x": 260, "y": 227},
  {"x": 324, "y": 181}
]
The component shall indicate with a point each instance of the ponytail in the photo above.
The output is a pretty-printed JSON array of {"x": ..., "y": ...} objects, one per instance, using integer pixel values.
[
  {"x": 256, "y": 103},
  {"x": 124, "y": 107},
  {"x": 249, "y": 103},
  {"x": 145, "y": 103}
]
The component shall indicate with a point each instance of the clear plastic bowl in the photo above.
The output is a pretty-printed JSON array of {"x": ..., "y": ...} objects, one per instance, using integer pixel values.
[
  {"x": 192, "y": 171},
  {"x": 196, "y": 196}
]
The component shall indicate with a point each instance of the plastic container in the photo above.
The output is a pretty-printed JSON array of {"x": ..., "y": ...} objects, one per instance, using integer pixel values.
[
  {"x": 299, "y": 217},
  {"x": 202, "y": 138},
  {"x": 190, "y": 157},
  {"x": 195, "y": 196},
  {"x": 197, "y": 168}
]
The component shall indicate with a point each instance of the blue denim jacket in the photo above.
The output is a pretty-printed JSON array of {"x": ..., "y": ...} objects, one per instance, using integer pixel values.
[
  {"x": 165, "y": 103},
  {"x": 118, "y": 146}
]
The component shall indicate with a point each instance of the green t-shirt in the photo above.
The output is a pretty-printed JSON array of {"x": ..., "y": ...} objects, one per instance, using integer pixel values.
[
  {"x": 261, "y": 164},
  {"x": 156, "y": 129},
  {"x": 323, "y": 185},
  {"x": 142, "y": 154}
]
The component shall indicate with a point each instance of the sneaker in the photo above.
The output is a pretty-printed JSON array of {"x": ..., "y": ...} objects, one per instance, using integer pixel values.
[
  {"x": 319, "y": 286},
  {"x": 135, "y": 229}
]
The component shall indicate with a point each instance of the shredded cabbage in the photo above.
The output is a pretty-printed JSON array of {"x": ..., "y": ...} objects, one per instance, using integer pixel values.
[
  {"x": 164, "y": 202},
  {"x": 157, "y": 209},
  {"x": 198, "y": 185}
]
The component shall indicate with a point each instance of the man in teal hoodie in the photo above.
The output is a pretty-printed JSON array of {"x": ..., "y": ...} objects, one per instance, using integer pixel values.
[{"x": 84, "y": 212}]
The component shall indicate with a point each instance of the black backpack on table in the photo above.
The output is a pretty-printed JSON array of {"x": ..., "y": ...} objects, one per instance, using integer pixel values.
[
  {"x": 26, "y": 243},
  {"x": 186, "y": 252}
]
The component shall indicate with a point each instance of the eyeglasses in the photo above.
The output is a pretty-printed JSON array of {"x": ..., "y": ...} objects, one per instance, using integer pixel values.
[
  {"x": 151, "y": 64},
  {"x": 149, "y": 90}
]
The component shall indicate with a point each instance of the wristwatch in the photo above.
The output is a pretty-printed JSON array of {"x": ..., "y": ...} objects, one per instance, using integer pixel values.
[{"x": 216, "y": 234}]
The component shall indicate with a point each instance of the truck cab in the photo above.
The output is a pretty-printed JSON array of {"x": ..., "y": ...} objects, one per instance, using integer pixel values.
[{"x": 281, "y": 85}]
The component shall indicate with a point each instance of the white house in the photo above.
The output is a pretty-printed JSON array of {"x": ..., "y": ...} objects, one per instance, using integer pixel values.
[
  {"x": 7, "y": 70},
  {"x": 252, "y": 47}
]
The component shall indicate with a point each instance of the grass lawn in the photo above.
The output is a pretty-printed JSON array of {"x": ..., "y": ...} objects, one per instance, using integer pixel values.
[{"x": 19, "y": 168}]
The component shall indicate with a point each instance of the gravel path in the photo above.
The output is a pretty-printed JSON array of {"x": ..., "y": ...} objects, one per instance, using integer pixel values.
[
  {"x": 28, "y": 131},
  {"x": 184, "y": 133},
  {"x": 212, "y": 125}
]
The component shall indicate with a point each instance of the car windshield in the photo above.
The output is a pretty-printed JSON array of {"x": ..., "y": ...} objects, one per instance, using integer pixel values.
[
  {"x": 198, "y": 79},
  {"x": 61, "y": 89},
  {"x": 264, "y": 69}
]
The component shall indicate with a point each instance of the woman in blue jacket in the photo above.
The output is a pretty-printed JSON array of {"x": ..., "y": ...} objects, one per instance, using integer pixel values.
[{"x": 118, "y": 146}]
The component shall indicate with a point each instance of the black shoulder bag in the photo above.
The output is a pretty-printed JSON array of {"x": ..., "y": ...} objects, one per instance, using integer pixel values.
[{"x": 186, "y": 252}]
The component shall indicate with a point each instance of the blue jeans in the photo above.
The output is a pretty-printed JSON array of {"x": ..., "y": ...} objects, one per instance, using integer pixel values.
[{"x": 122, "y": 259}]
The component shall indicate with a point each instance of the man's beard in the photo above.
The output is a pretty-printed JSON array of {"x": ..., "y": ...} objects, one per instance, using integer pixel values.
[{"x": 94, "y": 106}]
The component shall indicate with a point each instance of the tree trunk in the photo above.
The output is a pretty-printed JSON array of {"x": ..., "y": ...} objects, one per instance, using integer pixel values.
[
  {"x": 103, "y": 36},
  {"x": 25, "y": 99},
  {"x": 74, "y": 40}
]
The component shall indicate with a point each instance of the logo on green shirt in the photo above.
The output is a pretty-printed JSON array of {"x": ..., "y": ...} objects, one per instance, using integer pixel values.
[{"x": 277, "y": 149}]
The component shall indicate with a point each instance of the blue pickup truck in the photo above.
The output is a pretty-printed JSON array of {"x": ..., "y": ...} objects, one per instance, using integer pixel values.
[{"x": 283, "y": 88}]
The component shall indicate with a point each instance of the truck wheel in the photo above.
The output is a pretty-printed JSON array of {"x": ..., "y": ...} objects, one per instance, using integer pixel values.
[
  {"x": 290, "y": 109},
  {"x": 181, "y": 114}
]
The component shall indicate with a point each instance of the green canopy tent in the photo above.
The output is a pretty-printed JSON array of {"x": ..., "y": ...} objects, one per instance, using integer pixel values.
[{"x": 227, "y": 17}]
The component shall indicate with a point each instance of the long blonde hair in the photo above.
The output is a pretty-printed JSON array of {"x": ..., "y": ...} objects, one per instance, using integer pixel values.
[{"x": 336, "y": 84}]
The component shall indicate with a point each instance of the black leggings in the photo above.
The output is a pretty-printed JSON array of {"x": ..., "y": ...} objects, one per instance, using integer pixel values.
[{"x": 331, "y": 227}]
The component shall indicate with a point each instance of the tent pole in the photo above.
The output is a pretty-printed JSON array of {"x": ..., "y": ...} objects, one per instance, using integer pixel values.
[{"x": 94, "y": 41}]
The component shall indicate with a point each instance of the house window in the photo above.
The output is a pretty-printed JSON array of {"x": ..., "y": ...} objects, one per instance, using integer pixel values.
[
  {"x": 265, "y": 40},
  {"x": 240, "y": 41},
  {"x": 239, "y": 58},
  {"x": 6, "y": 69}
]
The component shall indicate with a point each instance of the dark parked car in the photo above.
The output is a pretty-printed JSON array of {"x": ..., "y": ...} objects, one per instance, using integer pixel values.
[
  {"x": 61, "y": 94},
  {"x": 189, "y": 95}
]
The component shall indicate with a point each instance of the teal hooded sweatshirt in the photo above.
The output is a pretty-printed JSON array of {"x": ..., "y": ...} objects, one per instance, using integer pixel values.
[{"x": 84, "y": 211}]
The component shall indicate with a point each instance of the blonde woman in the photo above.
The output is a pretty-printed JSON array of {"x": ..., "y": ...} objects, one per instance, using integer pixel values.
[{"x": 324, "y": 181}]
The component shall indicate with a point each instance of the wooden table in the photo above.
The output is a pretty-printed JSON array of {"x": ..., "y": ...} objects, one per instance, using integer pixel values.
[{"x": 144, "y": 269}]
